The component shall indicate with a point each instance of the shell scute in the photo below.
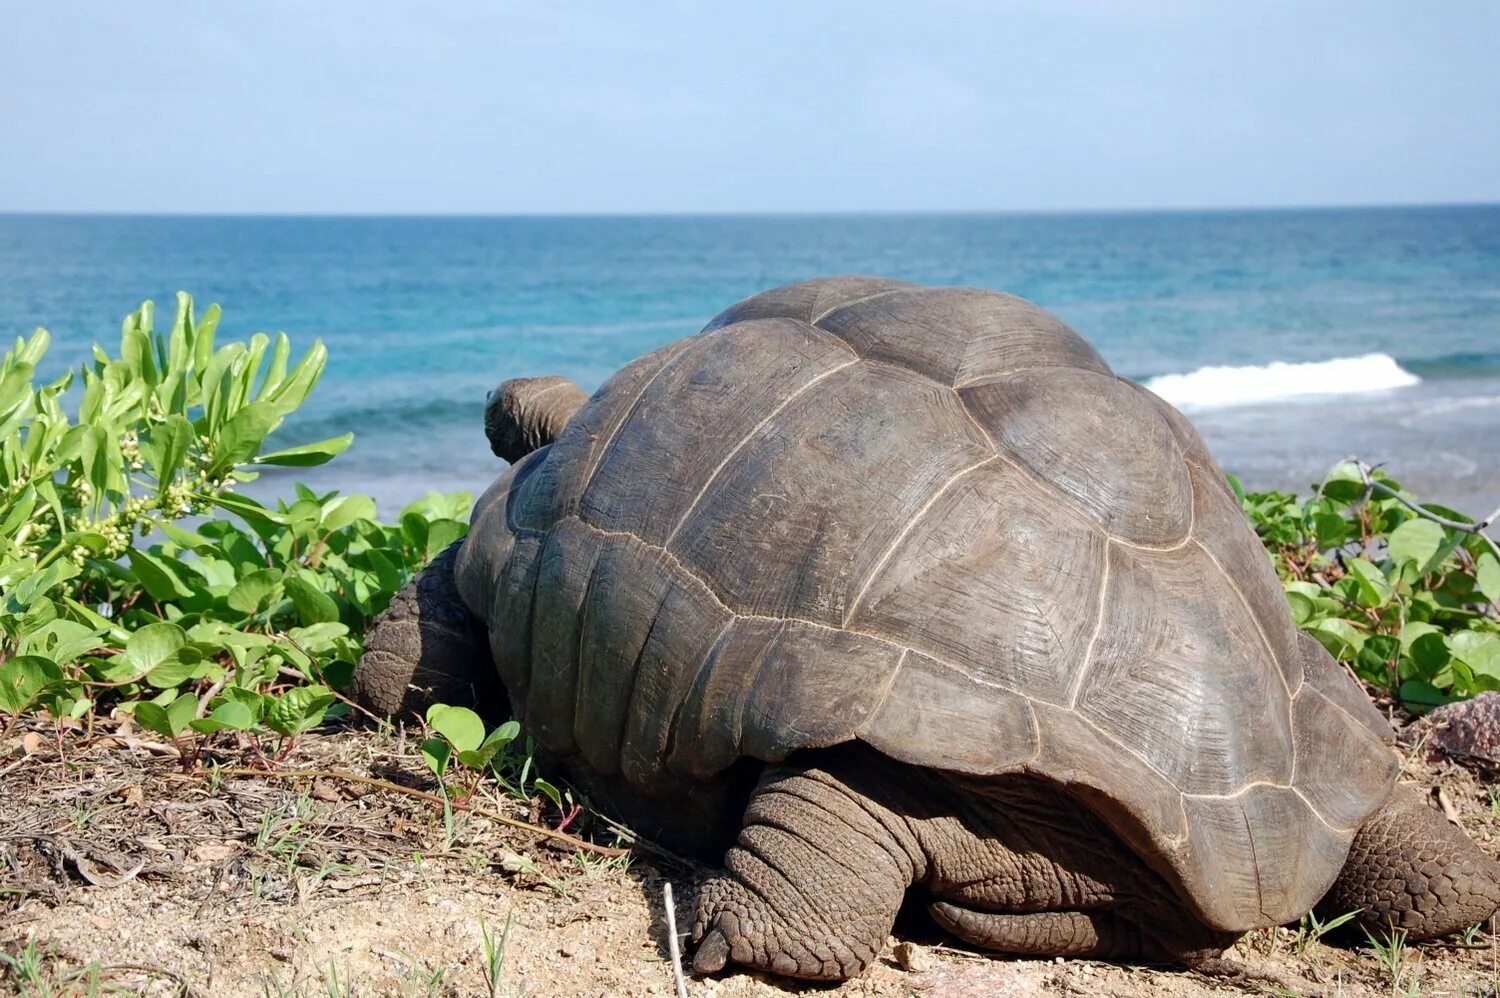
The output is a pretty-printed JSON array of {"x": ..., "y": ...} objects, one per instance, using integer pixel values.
[
  {"x": 959, "y": 336},
  {"x": 1259, "y": 858},
  {"x": 800, "y": 515},
  {"x": 995, "y": 577},
  {"x": 807, "y": 301},
  {"x": 925, "y": 718},
  {"x": 770, "y": 687},
  {"x": 1096, "y": 442},
  {"x": 708, "y": 399},
  {"x": 1227, "y": 537},
  {"x": 556, "y": 489},
  {"x": 1179, "y": 674}
]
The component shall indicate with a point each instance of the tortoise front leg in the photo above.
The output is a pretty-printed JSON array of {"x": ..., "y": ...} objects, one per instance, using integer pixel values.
[
  {"x": 813, "y": 883},
  {"x": 427, "y": 648}
]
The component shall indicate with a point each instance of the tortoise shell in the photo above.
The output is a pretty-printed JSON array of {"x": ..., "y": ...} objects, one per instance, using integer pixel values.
[{"x": 933, "y": 520}]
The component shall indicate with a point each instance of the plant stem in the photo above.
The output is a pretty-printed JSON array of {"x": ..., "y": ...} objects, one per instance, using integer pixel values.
[{"x": 332, "y": 774}]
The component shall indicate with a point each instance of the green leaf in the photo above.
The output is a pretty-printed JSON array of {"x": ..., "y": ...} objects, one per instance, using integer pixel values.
[
  {"x": 15, "y": 386},
  {"x": 1302, "y": 606},
  {"x": 309, "y": 455},
  {"x": 250, "y": 511},
  {"x": 1374, "y": 660},
  {"x": 338, "y": 673},
  {"x": 549, "y": 791},
  {"x": 1331, "y": 530},
  {"x": 346, "y": 510},
  {"x": 1340, "y": 637},
  {"x": 495, "y": 743},
  {"x": 251, "y": 594},
  {"x": 299, "y": 710},
  {"x": 184, "y": 664},
  {"x": 1373, "y": 587},
  {"x": 1481, "y": 652},
  {"x": 319, "y": 636},
  {"x": 1344, "y": 485},
  {"x": 437, "y": 753},
  {"x": 153, "y": 645},
  {"x": 37, "y": 584},
  {"x": 59, "y": 639},
  {"x": 1420, "y": 697},
  {"x": 252, "y": 700},
  {"x": 1429, "y": 655},
  {"x": 313, "y": 605},
  {"x": 20, "y": 511},
  {"x": 293, "y": 389},
  {"x": 169, "y": 721},
  {"x": 23, "y": 679},
  {"x": 243, "y": 433},
  {"x": 230, "y": 715},
  {"x": 1415, "y": 542},
  {"x": 167, "y": 447},
  {"x": 1487, "y": 574},
  {"x": 460, "y": 725},
  {"x": 159, "y": 575},
  {"x": 441, "y": 533}
]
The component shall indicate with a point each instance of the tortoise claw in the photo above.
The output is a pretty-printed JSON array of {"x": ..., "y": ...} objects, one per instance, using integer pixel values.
[{"x": 712, "y": 953}]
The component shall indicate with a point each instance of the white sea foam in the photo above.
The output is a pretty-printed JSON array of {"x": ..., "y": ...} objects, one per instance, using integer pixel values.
[{"x": 1219, "y": 386}]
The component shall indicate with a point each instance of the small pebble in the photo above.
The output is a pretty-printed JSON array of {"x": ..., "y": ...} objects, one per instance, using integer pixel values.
[{"x": 912, "y": 958}]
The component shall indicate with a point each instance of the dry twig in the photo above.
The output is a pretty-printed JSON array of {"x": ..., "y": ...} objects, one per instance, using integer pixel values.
[
  {"x": 370, "y": 781},
  {"x": 674, "y": 947}
]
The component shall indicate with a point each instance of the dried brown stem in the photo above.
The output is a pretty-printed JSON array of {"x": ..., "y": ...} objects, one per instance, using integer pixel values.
[{"x": 370, "y": 781}]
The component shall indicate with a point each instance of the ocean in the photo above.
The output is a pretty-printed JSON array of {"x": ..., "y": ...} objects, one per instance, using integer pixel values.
[{"x": 1291, "y": 338}]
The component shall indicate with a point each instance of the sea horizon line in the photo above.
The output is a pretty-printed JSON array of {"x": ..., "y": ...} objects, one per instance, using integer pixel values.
[{"x": 750, "y": 214}]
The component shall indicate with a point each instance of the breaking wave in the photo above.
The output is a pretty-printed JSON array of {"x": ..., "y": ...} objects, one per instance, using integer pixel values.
[{"x": 1219, "y": 386}]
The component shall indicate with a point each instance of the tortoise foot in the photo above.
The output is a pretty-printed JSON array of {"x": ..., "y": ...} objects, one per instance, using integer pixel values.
[
  {"x": 736, "y": 925},
  {"x": 812, "y": 885}
]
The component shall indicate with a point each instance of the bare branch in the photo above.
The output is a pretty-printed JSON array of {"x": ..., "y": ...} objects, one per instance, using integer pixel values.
[
  {"x": 673, "y": 944},
  {"x": 1477, "y": 528}
]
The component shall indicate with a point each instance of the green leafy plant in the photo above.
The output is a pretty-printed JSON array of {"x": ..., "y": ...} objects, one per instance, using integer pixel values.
[
  {"x": 1406, "y": 594},
  {"x": 244, "y": 624},
  {"x": 460, "y": 738},
  {"x": 460, "y": 744}
]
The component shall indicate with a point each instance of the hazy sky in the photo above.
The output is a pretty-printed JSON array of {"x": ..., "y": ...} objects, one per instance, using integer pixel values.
[{"x": 490, "y": 106}]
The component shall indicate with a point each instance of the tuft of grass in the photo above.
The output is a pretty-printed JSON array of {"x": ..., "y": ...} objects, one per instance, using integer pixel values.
[
  {"x": 1311, "y": 929},
  {"x": 494, "y": 952},
  {"x": 34, "y": 972},
  {"x": 1392, "y": 959}
]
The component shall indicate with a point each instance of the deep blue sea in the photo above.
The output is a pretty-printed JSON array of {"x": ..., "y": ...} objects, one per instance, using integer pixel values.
[{"x": 1399, "y": 308}]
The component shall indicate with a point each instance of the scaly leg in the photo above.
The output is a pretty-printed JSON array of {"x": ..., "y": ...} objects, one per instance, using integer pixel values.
[{"x": 813, "y": 883}]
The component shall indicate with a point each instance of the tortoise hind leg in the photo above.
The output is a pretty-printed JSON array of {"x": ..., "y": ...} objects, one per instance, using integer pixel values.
[
  {"x": 1097, "y": 934},
  {"x": 813, "y": 885},
  {"x": 1411, "y": 870},
  {"x": 427, "y": 648}
]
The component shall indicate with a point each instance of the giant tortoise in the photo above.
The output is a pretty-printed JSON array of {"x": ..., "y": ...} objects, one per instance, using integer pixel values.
[{"x": 885, "y": 588}]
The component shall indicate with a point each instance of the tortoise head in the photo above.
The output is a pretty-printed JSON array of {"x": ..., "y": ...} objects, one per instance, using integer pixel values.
[{"x": 525, "y": 414}]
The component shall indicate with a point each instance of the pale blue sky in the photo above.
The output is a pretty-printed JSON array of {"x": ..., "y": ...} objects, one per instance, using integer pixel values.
[{"x": 470, "y": 106}]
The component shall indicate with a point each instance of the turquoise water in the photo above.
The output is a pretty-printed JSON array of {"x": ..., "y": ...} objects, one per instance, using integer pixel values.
[{"x": 423, "y": 315}]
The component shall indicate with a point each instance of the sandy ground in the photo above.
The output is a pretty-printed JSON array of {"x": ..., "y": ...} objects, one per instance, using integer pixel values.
[{"x": 120, "y": 874}]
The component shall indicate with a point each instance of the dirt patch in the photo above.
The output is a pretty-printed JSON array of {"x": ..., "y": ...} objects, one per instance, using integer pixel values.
[{"x": 121, "y": 874}]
